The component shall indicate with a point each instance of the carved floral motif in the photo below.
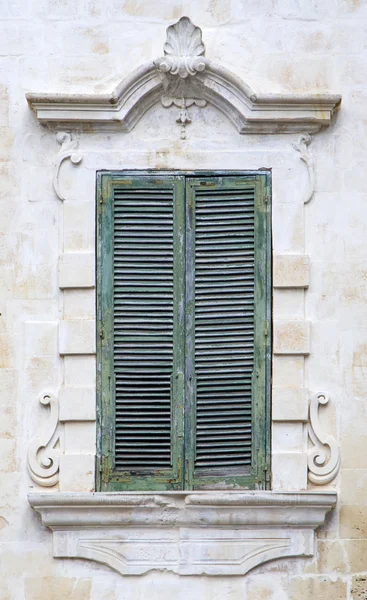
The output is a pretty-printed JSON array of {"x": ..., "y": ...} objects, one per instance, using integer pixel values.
[
  {"x": 69, "y": 146},
  {"x": 324, "y": 457},
  {"x": 43, "y": 458}
]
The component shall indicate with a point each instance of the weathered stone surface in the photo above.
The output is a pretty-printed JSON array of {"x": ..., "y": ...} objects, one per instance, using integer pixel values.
[
  {"x": 291, "y": 271},
  {"x": 291, "y": 337},
  {"x": 280, "y": 46},
  {"x": 55, "y": 588}
]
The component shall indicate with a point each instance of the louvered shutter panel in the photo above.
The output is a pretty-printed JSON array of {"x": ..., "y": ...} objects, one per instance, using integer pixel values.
[
  {"x": 146, "y": 356},
  {"x": 223, "y": 280}
]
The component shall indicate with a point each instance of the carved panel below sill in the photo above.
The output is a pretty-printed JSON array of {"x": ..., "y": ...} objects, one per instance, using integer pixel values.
[{"x": 226, "y": 533}]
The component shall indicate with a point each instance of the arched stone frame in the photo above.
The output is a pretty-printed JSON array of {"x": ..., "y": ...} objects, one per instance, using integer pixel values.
[{"x": 83, "y": 123}]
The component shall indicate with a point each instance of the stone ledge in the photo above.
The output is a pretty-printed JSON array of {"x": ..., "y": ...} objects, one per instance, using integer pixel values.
[{"x": 190, "y": 533}]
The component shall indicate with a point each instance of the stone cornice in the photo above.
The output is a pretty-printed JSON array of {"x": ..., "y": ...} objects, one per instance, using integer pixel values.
[
  {"x": 217, "y": 533},
  {"x": 134, "y": 96}
]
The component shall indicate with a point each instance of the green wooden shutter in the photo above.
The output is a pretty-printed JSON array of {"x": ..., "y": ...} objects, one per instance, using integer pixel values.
[
  {"x": 226, "y": 280},
  {"x": 141, "y": 286},
  {"x": 184, "y": 337}
]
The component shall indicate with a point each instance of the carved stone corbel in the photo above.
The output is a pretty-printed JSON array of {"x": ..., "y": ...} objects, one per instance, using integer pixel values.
[
  {"x": 43, "y": 458},
  {"x": 324, "y": 457},
  {"x": 69, "y": 146},
  {"x": 302, "y": 146},
  {"x": 183, "y": 59}
]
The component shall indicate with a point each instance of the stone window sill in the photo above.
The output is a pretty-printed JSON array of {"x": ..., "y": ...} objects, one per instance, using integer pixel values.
[{"x": 189, "y": 533}]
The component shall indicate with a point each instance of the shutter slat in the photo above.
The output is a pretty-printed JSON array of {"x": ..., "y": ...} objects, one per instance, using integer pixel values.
[
  {"x": 224, "y": 327},
  {"x": 143, "y": 306}
]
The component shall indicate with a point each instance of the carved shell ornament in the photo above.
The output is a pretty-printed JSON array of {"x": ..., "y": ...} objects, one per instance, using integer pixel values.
[
  {"x": 183, "y": 59},
  {"x": 184, "y": 50}
]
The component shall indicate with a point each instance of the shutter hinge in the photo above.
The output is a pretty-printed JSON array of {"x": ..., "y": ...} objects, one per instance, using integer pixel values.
[
  {"x": 267, "y": 474},
  {"x": 101, "y": 334},
  {"x": 267, "y": 328}
]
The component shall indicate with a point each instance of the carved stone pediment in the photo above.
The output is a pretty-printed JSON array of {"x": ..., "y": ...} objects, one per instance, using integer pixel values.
[{"x": 183, "y": 77}]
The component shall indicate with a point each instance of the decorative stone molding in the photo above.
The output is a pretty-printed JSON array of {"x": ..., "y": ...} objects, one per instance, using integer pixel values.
[
  {"x": 190, "y": 533},
  {"x": 302, "y": 146},
  {"x": 43, "y": 458},
  {"x": 324, "y": 457},
  {"x": 69, "y": 145},
  {"x": 183, "y": 51},
  {"x": 183, "y": 77},
  {"x": 184, "y": 58}
]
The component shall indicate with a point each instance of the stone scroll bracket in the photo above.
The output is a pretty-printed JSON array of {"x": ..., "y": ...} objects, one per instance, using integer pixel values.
[
  {"x": 69, "y": 143},
  {"x": 43, "y": 456},
  {"x": 303, "y": 147},
  {"x": 324, "y": 456}
]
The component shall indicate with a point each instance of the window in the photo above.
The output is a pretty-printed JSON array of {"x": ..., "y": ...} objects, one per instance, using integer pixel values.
[{"x": 183, "y": 309}]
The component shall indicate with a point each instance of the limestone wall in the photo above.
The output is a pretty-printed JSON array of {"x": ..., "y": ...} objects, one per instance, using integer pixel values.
[{"x": 47, "y": 321}]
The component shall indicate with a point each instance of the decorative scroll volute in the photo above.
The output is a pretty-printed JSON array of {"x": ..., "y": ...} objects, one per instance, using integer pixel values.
[
  {"x": 69, "y": 149},
  {"x": 324, "y": 457},
  {"x": 302, "y": 146},
  {"x": 43, "y": 458}
]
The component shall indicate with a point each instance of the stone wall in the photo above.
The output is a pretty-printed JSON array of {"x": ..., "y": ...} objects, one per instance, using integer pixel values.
[{"x": 47, "y": 321}]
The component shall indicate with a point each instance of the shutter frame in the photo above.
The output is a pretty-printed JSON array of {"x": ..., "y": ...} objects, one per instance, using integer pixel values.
[
  {"x": 109, "y": 476},
  {"x": 255, "y": 475},
  {"x": 258, "y": 476}
]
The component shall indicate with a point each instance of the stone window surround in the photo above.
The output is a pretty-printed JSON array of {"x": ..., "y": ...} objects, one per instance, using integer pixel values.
[{"x": 73, "y": 408}]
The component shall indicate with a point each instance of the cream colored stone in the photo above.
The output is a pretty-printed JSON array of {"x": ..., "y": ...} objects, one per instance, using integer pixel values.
[
  {"x": 80, "y": 371},
  {"x": 310, "y": 588},
  {"x": 77, "y": 404},
  {"x": 352, "y": 455},
  {"x": 291, "y": 337},
  {"x": 40, "y": 339},
  {"x": 287, "y": 437},
  {"x": 79, "y": 304},
  {"x": 291, "y": 271},
  {"x": 289, "y": 404},
  {"x": 80, "y": 437},
  {"x": 77, "y": 336},
  {"x": 356, "y": 551},
  {"x": 78, "y": 226},
  {"x": 359, "y": 587},
  {"x": 8, "y": 456},
  {"x": 288, "y": 303},
  {"x": 289, "y": 471},
  {"x": 288, "y": 228},
  {"x": 76, "y": 270},
  {"x": 354, "y": 486},
  {"x": 57, "y": 588},
  {"x": 330, "y": 558},
  {"x": 288, "y": 371},
  {"x": 353, "y": 522},
  {"x": 77, "y": 472}
]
